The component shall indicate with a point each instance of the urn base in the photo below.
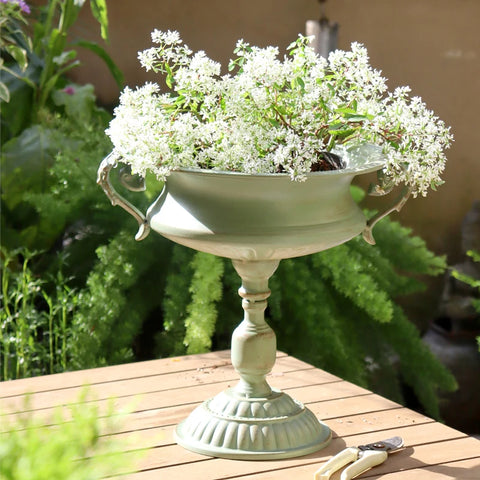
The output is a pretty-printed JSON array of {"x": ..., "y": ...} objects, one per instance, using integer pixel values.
[{"x": 233, "y": 426}]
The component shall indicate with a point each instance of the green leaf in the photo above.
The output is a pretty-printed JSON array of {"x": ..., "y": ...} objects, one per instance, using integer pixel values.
[
  {"x": 79, "y": 101},
  {"x": 99, "y": 11},
  {"x": 112, "y": 67},
  {"x": 25, "y": 160},
  {"x": 474, "y": 255},
  {"x": 358, "y": 194},
  {"x": 20, "y": 56},
  {"x": 274, "y": 122},
  {"x": 292, "y": 45},
  {"x": 38, "y": 35},
  {"x": 346, "y": 111},
  {"x": 65, "y": 57},
  {"x": 355, "y": 118},
  {"x": 4, "y": 93},
  {"x": 56, "y": 43},
  {"x": 70, "y": 11}
]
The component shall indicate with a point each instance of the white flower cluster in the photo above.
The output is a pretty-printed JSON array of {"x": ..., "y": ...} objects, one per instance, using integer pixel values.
[{"x": 271, "y": 115}]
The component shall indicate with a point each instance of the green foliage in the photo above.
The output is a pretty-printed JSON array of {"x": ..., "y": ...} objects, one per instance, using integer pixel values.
[
  {"x": 75, "y": 449},
  {"x": 176, "y": 300},
  {"x": 36, "y": 55},
  {"x": 35, "y": 319},
  {"x": 206, "y": 290},
  {"x": 119, "y": 294},
  {"x": 406, "y": 252},
  {"x": 472, "y": 282},
  {"x": 348, "y": 272},
  {"x": 337, "y": 310},
  {"x": 53, "y": 138},
  {"x": 12, "y": 19}
]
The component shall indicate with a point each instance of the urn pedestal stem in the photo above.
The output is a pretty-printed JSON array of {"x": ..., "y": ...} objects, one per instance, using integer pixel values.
[
  {"x": 253, "y": 421},
  {"x": 253, "y": 342}
]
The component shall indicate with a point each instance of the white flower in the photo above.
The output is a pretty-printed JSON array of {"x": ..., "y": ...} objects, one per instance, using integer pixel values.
[
  {"x": 169, "y": 37},
  {"x": 273, "y": 114}
]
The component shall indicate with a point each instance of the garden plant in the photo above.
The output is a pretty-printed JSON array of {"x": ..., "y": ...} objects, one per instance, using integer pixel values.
[{"x": 75, "y": 443}]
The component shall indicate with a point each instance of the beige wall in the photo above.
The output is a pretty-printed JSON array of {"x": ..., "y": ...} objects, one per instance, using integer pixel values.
[{"x": 431, "y": 45}]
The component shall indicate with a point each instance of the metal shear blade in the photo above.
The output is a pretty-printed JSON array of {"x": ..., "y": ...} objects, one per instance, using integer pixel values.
[
  {"x": 389, "y": 445},
  {"x": 363, "y": 457}
]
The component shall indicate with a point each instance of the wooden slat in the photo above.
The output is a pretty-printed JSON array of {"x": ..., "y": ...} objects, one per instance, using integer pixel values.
[
  {"x": 413, "y": 435},
  {"x": 190, "y": 396},
  {"x": 182, "y": 388},
  {"x": 196, "y": 466},
  {"x": 459, "y": 470},
  {"x": 223, "y": 468},
  {"x": 164, "y": 381},
  {"x": 92, "y": 376},
  {"x": 165, "y": 391},
  {"x": 61, "y": 381},
  {"x": 417, "y": 434}
]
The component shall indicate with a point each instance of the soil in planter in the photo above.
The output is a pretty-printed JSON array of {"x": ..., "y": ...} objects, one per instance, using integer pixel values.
[{"x": 327, "y": 161}]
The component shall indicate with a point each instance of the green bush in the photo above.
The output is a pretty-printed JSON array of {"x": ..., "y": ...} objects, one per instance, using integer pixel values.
[
  {"x": 471, "y": 282},
  {"x": 52, "y": 137},
  {"x": 75, "y": 448},
  {"x": 36, "y": 324}
]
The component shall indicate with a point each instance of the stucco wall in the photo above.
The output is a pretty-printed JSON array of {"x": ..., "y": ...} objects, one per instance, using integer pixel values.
[{"x": 431, "y": 45}]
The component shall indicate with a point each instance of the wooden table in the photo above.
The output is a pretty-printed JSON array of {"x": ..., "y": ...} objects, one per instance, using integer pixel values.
[{"x": 166, "y": 390}]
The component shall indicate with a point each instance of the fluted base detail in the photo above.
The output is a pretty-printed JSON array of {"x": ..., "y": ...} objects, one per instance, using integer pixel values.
[{"x": 232, "y": 426}]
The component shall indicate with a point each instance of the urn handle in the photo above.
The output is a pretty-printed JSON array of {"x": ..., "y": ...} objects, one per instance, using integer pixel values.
[
  {"x": 103, "y": 179},
  {"x": 397, "y": 205}
]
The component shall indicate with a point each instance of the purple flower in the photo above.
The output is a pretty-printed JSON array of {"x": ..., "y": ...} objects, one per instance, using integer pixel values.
[
  {"x": 21, "y": 3},
  {"x": 69, "y": 90},
  {"x": 24, "y": 6}
]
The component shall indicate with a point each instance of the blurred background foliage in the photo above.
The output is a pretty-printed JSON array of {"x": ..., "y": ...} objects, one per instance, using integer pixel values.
[
  {"x": 78, "y": 291},
  {"x": 81, "y": 439}
]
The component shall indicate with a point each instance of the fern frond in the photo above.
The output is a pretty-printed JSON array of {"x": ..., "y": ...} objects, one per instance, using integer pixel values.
[
  {"x": 206, "y": 290},
  {"x": 349, "y": 274}
]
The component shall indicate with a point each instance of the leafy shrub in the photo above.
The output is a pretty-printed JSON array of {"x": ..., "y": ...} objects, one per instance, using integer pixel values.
[
  {"x": 36, "y": 324},
  {"x": 52, "y": 138},
  {"x": 75, "y": 448},
  {"x": 472, "y": 282}
]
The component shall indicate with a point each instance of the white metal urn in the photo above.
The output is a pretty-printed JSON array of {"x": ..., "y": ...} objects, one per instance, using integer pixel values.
[{"x": 255, "y": 220}]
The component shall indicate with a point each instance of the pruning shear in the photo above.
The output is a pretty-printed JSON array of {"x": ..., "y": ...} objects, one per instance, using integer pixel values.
[{"x": 363, "y": 457}]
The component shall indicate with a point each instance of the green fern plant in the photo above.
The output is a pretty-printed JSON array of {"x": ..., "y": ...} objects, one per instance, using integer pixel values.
[{"x": 206, "y": 290}]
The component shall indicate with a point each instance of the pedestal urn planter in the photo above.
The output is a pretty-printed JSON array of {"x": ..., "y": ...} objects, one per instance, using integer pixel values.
[{"x": 255, "y": 220}]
